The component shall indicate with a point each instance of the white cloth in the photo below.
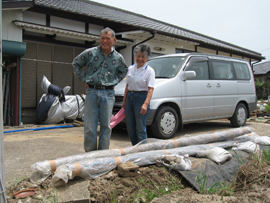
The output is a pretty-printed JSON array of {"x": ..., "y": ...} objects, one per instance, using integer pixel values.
[{"x": 139, "y": 79}]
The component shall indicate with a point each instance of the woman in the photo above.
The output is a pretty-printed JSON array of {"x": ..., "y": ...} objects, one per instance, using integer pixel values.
[{"x": 138, "y": 93}]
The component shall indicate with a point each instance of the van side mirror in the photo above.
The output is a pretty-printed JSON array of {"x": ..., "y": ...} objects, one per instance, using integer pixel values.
[{"x": 189, "y": 74}]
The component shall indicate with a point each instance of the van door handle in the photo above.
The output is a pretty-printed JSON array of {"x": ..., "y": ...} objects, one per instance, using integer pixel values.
[
  {"x": 208, "y": 85},
  {"x": 218, "y": 84}
]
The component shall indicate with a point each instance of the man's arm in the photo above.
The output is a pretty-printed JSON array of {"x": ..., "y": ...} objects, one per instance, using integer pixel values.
[
  {"x": 78, "y": 63},
  {"x": 121, "y": 71}
]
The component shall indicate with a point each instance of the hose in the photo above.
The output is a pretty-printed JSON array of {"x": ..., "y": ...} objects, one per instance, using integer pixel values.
[{"x": 37, "y": 129}]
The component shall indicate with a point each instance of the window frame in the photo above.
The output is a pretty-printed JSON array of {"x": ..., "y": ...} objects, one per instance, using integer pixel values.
[{"x": 212, "y": 75}]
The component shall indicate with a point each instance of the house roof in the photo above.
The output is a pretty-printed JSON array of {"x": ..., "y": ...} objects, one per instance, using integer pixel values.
[
  {"x": 132, "y": 21},
  {"x": 261, "y": 68},
  {"x": 9, "y": 4}
]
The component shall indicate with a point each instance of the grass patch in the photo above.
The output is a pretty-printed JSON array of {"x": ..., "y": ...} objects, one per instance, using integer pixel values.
[
  {"x": 149, "y": 190},
  {"x": 254, "y": 171},
  {"x": 16, "y": 182}
]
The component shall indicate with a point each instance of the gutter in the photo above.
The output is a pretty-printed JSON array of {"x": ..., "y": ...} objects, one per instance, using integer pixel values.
[{"x": 253, "y": 64}]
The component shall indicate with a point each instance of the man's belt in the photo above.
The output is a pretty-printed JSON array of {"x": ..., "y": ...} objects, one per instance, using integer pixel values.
[{"x": 101, "y": 87}]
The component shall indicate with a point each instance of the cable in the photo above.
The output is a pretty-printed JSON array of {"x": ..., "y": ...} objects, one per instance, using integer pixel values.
[{"x": 264, "y": 49}]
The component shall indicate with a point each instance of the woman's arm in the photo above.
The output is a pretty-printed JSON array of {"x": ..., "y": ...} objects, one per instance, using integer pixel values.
[
  {"x": 147, "y": 100},
  {"x": 125, "y": 97}
]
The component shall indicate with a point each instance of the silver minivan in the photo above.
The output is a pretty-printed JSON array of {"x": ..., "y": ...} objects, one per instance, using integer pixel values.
[{"x": 194, "y": 87}]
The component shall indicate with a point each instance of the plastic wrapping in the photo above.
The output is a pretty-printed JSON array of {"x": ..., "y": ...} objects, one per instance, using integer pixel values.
[
  {"x": 248, "y": 146},
  {"x": 37, "y": 174},
  {"x": 246, "y": 137},
  {"x": 216, "y": 154},
  {"x": 41, "y": 170},
  {"x": 175, "y": 162},
  {"x": 72, "y": 108},
  {"x": 54, "y": 106},
  {"x": 96, "y": 167}
]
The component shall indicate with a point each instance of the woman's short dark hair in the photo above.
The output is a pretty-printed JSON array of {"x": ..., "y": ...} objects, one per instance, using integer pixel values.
[{"x": 143, "y": 48}]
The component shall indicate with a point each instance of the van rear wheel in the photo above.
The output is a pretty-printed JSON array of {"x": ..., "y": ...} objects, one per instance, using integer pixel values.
[
  {"x": 239, "y": 117},
  {"x": 165, "y": 123}
]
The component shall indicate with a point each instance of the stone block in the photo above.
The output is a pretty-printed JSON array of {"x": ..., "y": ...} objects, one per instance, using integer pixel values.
[{"x": 127, "y": 169}]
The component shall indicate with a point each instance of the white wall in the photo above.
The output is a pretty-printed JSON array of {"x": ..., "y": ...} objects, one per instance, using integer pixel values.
[
  {"x": 95, "y": 29},
  {"x": 67, "y": 24},
  {"x": 169, "y": 49},
  {"x": 33, "y": 17},
  {"x": 9, "y": 30},
  {"x": 126, "y": 53}
]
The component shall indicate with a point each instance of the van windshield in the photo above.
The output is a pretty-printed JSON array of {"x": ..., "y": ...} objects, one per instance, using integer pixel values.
[{"x": 166, "y": 67}]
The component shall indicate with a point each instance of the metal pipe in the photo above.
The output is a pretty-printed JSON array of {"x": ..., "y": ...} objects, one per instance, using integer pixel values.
[
  {"x": 20, "y": 91},
  {"x": 2, "y": 155}
]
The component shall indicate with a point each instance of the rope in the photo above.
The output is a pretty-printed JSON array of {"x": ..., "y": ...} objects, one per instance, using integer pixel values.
[{"x": 45, "y": 61}]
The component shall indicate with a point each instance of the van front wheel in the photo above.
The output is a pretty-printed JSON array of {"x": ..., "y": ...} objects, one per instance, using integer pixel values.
[
  {"x": 165, "y": 123},
  {"x": 239, "y": 117}
]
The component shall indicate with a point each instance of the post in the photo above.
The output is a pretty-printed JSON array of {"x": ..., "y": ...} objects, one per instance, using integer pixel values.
[{"x": 2, "y": 161}]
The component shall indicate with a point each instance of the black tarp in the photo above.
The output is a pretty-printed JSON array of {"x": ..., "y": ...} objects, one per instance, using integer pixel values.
[{"x": 202, "y": 168}]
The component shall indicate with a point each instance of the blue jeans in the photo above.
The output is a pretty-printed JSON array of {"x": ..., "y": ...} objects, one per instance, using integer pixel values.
[
  {"x": 136, "y": 122},
  {"x": 98, "y": 107}
]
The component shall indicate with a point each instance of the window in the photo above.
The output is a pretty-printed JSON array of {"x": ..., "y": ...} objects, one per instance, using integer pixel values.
[
  {"x": 241, "y": 71},
  {"x": 201, "y": 70},
  {"x": 222, "y": 70},
  {"x": 166, "y": 67}
]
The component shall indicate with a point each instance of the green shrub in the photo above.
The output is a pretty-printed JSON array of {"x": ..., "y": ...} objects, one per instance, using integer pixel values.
[{"x": 262, "y": 89}]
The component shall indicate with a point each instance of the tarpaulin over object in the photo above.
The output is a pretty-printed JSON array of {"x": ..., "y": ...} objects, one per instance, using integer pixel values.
[
  {"x": 41, "y": 170},
  {"x": 55, "y": 106},
  {"x": 95, "y": 167}
]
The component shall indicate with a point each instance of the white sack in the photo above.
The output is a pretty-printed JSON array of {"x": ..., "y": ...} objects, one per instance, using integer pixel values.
[
  {"x": 263, "y": 140},
  {"x": 216, "y": 154},
  {"x": 248, "y": 146},
  {"x": 175, "y": 162}
]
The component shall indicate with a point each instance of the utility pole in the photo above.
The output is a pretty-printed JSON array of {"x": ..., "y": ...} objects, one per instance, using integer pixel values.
[{"x": 2, "y": 161}]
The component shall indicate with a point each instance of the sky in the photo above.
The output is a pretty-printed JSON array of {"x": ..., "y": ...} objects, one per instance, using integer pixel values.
[{"x": 245, "y": 23}]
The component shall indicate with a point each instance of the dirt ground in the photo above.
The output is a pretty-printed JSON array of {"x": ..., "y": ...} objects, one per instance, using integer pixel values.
[
  {"x": 157, "y": 185},
  {"x": 153, "y": 181}
]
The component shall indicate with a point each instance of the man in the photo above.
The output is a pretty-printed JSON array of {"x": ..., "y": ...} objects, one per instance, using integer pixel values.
[{"x": 106, "y": 67}]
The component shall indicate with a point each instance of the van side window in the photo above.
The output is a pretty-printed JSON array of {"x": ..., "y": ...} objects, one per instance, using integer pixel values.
[
  {"x": 222, "y": 70},
  {"x": 201, "y": 69},
  {"x": 241, "y": 71}
]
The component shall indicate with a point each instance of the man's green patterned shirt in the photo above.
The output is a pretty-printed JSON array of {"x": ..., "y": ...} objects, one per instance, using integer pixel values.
[{"x": 107, "y": 71}]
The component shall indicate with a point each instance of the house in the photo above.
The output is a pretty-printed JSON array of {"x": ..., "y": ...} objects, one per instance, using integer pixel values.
[
  {"x": 262, "y": 71},
  {"x": 41, "y": 37}
]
